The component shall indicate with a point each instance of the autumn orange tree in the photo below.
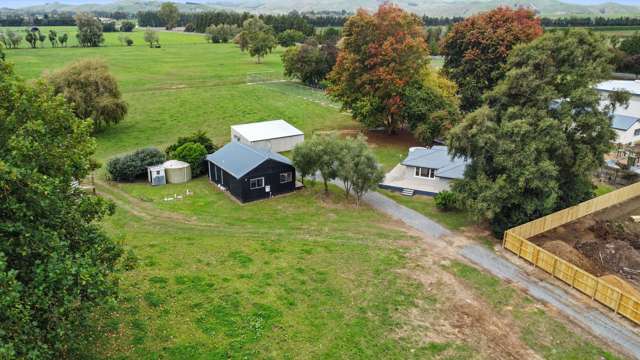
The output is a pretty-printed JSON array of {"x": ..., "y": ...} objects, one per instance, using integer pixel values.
[
  {"x": 381, "y": 55},
  {"x": 475, "y": 50}
]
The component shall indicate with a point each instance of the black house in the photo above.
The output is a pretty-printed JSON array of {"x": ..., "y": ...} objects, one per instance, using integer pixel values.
[{"x": 250, "y": 173}]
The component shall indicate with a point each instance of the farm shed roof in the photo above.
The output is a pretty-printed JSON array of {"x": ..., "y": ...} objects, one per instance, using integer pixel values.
[
  {"x": 265, "y": 130},
  {"x": 437, "y": 157},
  {"x": 238, "y": 159},
  {"x": 632, "y": 86},
  {"x": 623, "y": 122}
]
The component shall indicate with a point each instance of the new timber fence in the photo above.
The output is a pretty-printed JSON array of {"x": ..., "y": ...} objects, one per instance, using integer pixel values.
[{"x": 515, "y": 240}]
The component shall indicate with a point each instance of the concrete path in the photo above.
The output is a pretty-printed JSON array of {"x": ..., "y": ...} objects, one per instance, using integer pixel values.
[{"x": 619, "y": 333}]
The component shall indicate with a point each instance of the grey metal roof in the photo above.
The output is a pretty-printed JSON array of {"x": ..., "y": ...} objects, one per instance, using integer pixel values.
[
  {"x": 437, "y": 157},
  {"x": 238, "y": 159},
  {"x": 623, "y": 122},
  {"x": 632, "y": 86}
]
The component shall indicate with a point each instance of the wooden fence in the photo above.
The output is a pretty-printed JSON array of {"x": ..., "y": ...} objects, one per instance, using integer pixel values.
[{"x": 515, "y": 240}]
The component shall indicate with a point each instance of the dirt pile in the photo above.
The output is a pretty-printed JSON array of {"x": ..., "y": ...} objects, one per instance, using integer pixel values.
[
  {"x": 570, "y": 254},
  {"x": 604, "y": 243}
]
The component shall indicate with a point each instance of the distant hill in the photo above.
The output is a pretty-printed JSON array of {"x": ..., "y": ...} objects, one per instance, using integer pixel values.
[{"x": 551, "y": 8}]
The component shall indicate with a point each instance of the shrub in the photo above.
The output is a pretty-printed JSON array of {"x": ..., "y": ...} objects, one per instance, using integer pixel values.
[
  {"x": 127, "y": 26},
  {"x": 290, "y": 37},
  {"x": 192, "y": 153},
  {"x": 129, "y": 42},
  {"x": 199, "y": 137},
  {"x": 109, "y": 27},
  {"x": 446, "y": 201},
  {"x": 189, "y": 28},
  {"x": 129, "y": 261},
  {"x": 131, "y": 166}
]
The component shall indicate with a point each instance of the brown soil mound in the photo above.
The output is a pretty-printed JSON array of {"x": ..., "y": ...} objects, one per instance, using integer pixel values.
[
  {"x": 617, "y": 256},
  {"x": 570, "y": 254},
  {"x": 621, "y": 284}
]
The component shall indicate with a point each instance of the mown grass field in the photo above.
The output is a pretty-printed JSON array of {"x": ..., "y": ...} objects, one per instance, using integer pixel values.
[
  {"x": 302, "y": 276},
  {"x": 188, "y": 85}
]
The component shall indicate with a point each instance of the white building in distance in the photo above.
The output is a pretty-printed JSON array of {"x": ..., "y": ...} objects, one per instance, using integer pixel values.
[{"x": 274, "y": 135}]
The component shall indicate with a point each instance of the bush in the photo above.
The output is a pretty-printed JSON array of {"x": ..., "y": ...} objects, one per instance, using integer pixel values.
[
  {"x": 199, "y": 137},
  {"x": 189, "y": 28},
  {"x": 129, "y": 42},
  {"x": 194, "y": 154},
  {"x": 127, "y": 26},
  {"x": 109, "y": 27},
  {"x": 446, "y": 201},
  {"x": 131, "y": 166},
  {"x": 129, "y": 261},
  {"x": 290, "y": 37}
]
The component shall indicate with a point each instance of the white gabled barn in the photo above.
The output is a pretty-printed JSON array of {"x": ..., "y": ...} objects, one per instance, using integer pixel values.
[{"x": 275, "y": 135}]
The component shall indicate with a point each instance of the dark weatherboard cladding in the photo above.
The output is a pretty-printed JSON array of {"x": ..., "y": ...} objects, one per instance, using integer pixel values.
[{"x": 249, "y": 173}]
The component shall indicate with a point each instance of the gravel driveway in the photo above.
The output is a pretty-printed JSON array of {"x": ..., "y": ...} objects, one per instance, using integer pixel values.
[{"x": 622, "y": 334}]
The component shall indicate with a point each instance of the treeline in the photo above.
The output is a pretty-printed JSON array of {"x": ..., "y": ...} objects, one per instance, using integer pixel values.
[
  {"x": 57, "y": 18},
  {"x": 590, "y": 22},
  {"x": 199, "y": 22},
  {"x": 65, "y": 19}
]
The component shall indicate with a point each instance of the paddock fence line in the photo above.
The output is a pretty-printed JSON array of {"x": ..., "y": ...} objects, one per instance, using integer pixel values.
[{"x": 515, "y": 240}]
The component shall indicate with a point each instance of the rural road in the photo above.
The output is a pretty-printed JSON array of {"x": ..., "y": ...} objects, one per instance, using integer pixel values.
[{"x": 619, "y": 333}]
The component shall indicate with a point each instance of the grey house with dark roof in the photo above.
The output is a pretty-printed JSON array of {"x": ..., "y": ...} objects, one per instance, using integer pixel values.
[
  {"x": 251, "y": 173},
  {"x": 426, "y": 171}
]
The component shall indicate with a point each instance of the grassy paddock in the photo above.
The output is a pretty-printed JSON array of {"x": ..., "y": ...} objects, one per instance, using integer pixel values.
[
  {"x": 314, "y": 279},
  {"x": 186, "y": 86},
  {"x": 111, "y": 38}
]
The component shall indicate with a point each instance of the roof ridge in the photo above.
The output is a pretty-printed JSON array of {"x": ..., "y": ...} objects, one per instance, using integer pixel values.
[{"x": 251, "y": 148}]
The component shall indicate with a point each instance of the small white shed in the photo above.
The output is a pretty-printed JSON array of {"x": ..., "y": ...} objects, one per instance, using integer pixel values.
[
  {"x": 274, "y": 135},
  {"x": 156, "y": 175}
]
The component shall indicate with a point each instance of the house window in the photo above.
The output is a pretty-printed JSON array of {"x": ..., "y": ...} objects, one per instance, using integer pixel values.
[
  {"x": 286, "y": 177},
  {"x": 636, "y": 133},
  {"x": 425, "y": 172},
  {"x": 256, "y": 183}
]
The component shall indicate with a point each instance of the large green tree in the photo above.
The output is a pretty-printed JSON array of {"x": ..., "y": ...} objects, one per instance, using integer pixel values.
[
  {"x": 169, "y": 14},
  {"x": 476, "y": 49},
  {"x": 309, "y": 62},
  {"x": 380, "y": 55},
  {"x": 256, "y": 37},
  {"x": 56, "y": 263},
  {"x": 542, "y": 133},
  {"x": 92, "y": 90},
  {"x": 89, "y": 30}
]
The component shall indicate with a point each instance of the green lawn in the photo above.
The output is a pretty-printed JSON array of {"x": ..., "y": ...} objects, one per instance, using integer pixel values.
[
  {"x": 315, "y": 278},
  {"x": 454, "y": 220},
  {"x": 602, "y": 189},
  {"x": 189, "y": 85}
]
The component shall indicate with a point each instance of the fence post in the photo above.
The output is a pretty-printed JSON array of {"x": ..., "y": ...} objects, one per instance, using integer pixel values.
[
  {"x": 595, "y": 291},
  {"x": 555, "y": 262},
  {"x": 619, "y": 300},
  {"x": 573, "y": 278}
]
